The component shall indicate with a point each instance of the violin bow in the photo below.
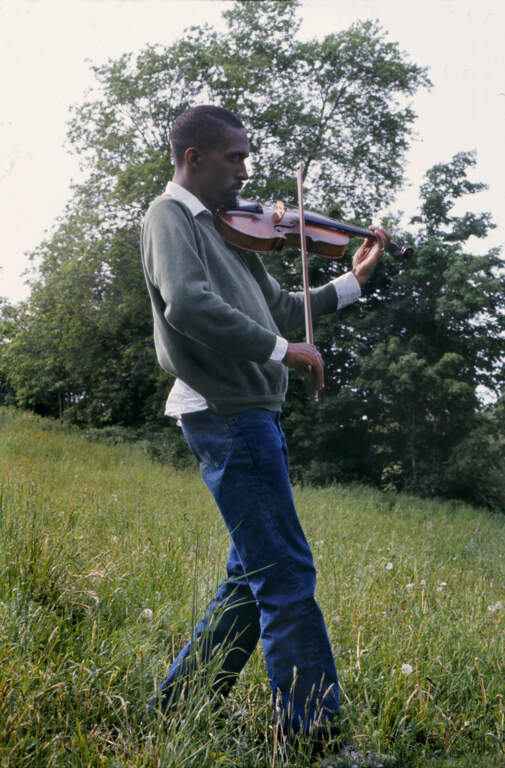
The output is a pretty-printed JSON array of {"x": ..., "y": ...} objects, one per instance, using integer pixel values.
[{"x": 309, "y": 334}]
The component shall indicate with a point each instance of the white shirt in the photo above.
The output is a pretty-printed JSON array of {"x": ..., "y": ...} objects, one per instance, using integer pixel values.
[{"x": 182, "y": 398}]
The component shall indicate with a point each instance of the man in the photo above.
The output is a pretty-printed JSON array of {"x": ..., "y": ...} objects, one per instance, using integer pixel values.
[{"x": 221, "y": 326}]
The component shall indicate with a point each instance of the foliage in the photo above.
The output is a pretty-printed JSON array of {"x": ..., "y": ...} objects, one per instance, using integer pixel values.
[
  {"x": 403, "y": 368},
  {"x": 82, "y": 345},
  {"x": 409, "y": 362},
  {"x": 340, "y": 103},
  {"x": 6, "y": 313},
  {"x": 106, "y": 556}
]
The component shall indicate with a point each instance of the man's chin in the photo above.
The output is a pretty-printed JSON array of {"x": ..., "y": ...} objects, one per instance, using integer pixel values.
[{"x": 231, "y": 200}]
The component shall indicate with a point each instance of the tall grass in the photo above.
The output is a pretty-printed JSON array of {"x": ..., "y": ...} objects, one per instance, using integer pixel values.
[{"x": 108, "y": 557}]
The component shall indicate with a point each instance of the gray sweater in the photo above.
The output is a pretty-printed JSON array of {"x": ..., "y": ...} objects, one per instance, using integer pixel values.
[{"x": 217, "y": 311}]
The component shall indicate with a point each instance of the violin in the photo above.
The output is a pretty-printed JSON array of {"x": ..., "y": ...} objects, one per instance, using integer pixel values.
[{"x": 253, "y": 227}]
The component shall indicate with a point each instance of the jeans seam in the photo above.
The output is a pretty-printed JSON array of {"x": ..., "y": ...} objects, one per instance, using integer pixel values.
[{"x": 294, "y": 581}]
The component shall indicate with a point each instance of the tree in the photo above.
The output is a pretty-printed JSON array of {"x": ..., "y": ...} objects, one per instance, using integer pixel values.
[
  {"x": 403, "y": 373},
  {"x": 339, "y": 104},
  {"x": 7, "y": 311},
  {"x": 84, "y": 344},
  {"x": 429, "y": 336}
]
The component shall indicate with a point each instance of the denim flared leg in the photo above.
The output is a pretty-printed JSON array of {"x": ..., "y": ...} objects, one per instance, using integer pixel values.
[
  {"x": 244, "y": 463},
  {"x": 231, "y": 622}
]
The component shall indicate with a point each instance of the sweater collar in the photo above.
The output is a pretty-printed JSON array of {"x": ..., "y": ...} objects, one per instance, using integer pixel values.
[{"x": 183, "y": 195}]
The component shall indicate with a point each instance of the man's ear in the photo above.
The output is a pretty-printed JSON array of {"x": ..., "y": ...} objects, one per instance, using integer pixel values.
[{"x": 192, "y": 157}]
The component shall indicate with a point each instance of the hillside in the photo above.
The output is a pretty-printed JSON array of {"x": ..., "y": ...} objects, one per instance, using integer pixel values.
[{"x": 107, "y": 557}]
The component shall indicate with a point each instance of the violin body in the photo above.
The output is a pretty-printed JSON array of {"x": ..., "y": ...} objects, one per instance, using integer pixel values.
[
  {"x": 254, "y": 227},
  {"x": 266, "y": 230}
]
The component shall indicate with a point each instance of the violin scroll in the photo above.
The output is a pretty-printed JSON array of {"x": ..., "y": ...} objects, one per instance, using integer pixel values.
[{"x": 401, "y": 252}]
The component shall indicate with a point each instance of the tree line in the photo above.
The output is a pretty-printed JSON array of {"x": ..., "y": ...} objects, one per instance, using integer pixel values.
[{"x": 405, "y": 366}]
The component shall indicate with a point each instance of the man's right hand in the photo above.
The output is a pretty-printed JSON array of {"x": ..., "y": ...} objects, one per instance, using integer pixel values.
[{"x": 307, "y": 361}]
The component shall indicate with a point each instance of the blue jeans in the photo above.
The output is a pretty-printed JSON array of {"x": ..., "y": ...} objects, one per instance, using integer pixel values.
[{"x": 269, "y": 592}]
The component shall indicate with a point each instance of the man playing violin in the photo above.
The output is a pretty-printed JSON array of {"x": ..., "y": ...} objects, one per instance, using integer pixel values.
[{"x": 222, "y": 327}]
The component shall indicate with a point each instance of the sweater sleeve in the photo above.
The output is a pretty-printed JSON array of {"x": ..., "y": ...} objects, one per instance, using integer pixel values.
[
  {"x": 177, "y": 271},
  {"x": 287, "y": 306}
]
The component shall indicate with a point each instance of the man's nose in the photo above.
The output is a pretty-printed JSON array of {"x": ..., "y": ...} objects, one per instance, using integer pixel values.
[{"x": 243, "y": 172}]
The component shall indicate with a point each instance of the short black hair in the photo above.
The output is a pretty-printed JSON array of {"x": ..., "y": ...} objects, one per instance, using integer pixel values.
[{"x": 200, "y": 127}]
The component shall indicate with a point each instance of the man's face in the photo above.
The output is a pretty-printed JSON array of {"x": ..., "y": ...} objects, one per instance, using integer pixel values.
[{"x": 222, "y": 170}]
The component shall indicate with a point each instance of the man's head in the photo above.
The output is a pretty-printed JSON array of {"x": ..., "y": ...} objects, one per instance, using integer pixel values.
[{"x": 209, "y": 146}]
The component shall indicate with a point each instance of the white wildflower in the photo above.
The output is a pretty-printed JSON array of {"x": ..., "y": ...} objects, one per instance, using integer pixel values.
[
  {"x": 114, "y": 539},
  {"x": 496, "y": 607},
  {"x": 389, "y": 566},
  {"x": 146, "y": 614},
  {"x": 410, "y": 586},
  {"x": 422, "y": 583},
  {"x": 407, "y": 669}
]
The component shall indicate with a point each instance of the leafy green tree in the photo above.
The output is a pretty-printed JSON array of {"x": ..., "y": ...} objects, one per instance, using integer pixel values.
[
  {"x": 403, "y": 367},
  {"x": 84, "y": 344},
  {"x": 6, "y": 313},
  {"x": 340, "y": 105},
  {"x": 403, "y": 387}
]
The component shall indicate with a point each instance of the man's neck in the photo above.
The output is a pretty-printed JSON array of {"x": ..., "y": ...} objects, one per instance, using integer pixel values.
[{"x": 182, "y": 179}]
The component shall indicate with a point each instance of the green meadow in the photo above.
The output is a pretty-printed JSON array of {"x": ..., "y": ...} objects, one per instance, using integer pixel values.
[{"x": 107, "y": 558}]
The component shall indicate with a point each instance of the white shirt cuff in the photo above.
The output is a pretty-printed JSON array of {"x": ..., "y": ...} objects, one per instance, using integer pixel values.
[
  {"x": 348, "y": 289},
  {"x": 281, "y": 346}
]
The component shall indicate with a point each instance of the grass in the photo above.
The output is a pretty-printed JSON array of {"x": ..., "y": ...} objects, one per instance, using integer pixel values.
[{"x": 413, "y": 592}]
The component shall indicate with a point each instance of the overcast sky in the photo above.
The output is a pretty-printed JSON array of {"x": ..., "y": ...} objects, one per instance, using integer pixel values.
[{"x": 47, "y": 47}]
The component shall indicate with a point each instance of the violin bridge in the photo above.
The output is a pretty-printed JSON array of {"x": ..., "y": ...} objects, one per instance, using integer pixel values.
[{"x": 279, "y": 211}]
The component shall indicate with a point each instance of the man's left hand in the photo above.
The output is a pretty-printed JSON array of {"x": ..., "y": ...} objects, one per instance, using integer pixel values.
[{"x": 369, "y": 254}]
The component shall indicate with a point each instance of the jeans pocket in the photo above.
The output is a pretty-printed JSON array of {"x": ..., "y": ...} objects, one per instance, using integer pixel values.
[{"x": 208, "y": 436}]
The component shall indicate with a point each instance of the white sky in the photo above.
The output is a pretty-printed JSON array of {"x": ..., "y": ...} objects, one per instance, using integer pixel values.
[{"x": 46, "y": 47}]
